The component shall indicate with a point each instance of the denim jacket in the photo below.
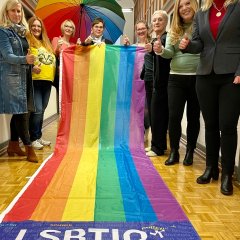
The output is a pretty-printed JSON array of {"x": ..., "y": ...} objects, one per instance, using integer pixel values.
[{"x": 14, "y": 92}]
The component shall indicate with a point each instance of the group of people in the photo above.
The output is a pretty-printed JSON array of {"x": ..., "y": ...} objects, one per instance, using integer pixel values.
[
  {"x": 28, "y": 71},
  {"x": 196, "y": 63}
]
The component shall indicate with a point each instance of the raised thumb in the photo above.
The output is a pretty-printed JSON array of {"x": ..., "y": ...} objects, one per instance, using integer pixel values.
[
  {"x": 185, "y": 36},
  {"x": 29, "y": 51}
]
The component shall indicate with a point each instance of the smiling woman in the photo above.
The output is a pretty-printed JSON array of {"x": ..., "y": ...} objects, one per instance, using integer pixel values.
[
  {"x": 181, "y": 84},
  {"x": 43, "y": 73},
  {"x": 15, "y": 76}
]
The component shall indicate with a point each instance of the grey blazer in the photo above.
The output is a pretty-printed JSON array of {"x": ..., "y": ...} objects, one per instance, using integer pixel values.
[{"x": 222, "y": 55}]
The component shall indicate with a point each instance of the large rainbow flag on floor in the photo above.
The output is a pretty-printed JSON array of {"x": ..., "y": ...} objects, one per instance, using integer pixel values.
[{"x": 98, "y": 184}]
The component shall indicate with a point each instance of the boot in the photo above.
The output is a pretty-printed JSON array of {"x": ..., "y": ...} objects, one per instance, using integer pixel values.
[
  {"x": 209, "y": 173},
  {"x": 226, "y": 184},
  {"x": 13, "y": 148},
  {"x": 173, "y": 157},
  {"x": 31, "y": 156},
  {"x": 188, "y": 160}
]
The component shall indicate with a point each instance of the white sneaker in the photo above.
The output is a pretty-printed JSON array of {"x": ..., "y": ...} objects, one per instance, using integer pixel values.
[
  {"x": 146, "y": 135},
  {"x": 151, "y": 154},
  {"x": 37, "y": 145},
  {"x": 147, "y": 149},
  {"x": 44, "y": 142}
]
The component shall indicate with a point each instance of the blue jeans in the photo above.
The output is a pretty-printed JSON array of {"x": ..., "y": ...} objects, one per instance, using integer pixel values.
[{"x": 42, "y": 91}]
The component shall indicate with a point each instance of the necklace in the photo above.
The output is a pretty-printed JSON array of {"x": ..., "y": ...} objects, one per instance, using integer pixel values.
[{"x": 218, "y": 14}]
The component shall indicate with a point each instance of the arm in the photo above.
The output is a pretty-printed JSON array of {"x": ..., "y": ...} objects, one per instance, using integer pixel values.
[
  {"x": 56, "y": 46},
  {"x": 7, "y": 51},
  {"x": 195, "y": 45},
  {"x": 168, "y": 51}
]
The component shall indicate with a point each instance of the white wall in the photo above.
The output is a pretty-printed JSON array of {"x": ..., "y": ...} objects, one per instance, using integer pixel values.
[{"x": 5, "y": 119}]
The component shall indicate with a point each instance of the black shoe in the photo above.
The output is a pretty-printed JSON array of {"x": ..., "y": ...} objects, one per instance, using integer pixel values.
[
  {"x": 173, "y": 158},
  {"x": 226, "y": 185},
  {"x": 209, "y": 173},
  {"x": 188, "y": 160}
]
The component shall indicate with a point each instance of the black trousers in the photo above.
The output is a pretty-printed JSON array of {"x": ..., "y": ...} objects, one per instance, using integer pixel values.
[
  {"x": 219, "y": 101},
  {"x": 159, "y": 119},
  {"x": 147, "y": 110},
  {"x": 19, "y": 128},
  {"x": 181, "y": 90}
]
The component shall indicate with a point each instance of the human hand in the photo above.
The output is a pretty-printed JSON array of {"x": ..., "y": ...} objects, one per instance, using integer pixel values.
[
  {"x": 184, "y": 42},
  {"x": 30, "y": 58},
  {"x": 88, "y": 40},
  {"x": 157, "y": 46},
  {"x": 79, "y": 41},
  {"x": 36, "y": 68},
  {"x": 126, "y": 40},
  {"x": 236, "y": 80},
  {"x": 148, "y": 47},
  {"x": 60, "y": 41}
]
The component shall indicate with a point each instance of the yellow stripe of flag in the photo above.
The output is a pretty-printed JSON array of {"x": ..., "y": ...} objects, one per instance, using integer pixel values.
[{"x": 81, "y": 203}]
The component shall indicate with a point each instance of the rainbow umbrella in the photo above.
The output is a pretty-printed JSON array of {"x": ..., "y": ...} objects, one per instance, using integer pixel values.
[{"x": 82, "y": 13}]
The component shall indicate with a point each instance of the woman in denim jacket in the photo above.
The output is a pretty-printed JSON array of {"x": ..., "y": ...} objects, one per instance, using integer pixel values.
[{"x": 16, "y": 95}]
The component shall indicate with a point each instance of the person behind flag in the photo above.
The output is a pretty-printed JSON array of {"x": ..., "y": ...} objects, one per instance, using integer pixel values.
[
  {"x": 182, "y": 80},
  {"x": 144, "y": 40},
  {"x": 44, "y": 66},
  {"x": 96, "y": 37},
  {"x": 216, "y": 36},
  {"x": 16, "y": 93},
  {"x": 62, "y": 42}
]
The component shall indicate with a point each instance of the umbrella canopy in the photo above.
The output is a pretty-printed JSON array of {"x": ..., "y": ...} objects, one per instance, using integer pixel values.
[{"x": 82, "y": 13}]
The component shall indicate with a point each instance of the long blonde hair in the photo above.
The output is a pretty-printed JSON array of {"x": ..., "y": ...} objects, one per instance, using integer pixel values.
[
  {"x": 177, "y": 30},
  {"x": 5, "y": 7},
  {"x": 44, "y": 41},
  {"x": 208, "y": 3}
]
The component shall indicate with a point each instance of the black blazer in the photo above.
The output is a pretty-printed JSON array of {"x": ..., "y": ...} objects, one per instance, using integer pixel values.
[{"x": 222, "y": 55}]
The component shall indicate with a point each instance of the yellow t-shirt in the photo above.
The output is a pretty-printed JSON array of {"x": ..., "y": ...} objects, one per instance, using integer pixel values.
[{"x": 47, "y": 63}]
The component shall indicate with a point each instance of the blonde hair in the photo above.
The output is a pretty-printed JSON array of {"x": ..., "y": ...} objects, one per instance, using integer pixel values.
[
  {"x": 177, "y": 30},
  {"x": 33, "y": 41},
  {"x": 163, "y": 13},
  {"x": 208, "y": 3},
  {"x": 71, "y": 22},
  {"x": 5, "y": 7}
]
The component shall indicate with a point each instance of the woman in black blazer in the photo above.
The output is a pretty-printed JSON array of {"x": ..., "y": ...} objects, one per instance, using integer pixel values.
[{"x": 217, "y": 37}]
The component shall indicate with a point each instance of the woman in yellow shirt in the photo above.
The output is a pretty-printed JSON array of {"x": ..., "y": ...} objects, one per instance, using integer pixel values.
[{"x": 43, "y": 75}]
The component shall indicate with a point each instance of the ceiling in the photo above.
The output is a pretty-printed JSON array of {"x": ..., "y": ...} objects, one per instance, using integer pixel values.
[{"x": 125, "y": 3}]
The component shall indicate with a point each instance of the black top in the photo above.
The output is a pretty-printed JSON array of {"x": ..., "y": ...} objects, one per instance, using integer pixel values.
[{"x": 161, "y": 67}]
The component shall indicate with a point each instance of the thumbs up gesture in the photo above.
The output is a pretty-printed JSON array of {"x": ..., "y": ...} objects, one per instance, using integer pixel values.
[
  {"x": 79, "y": 42},
  {"x": 37, "y": 68},
  {"x": 157, "y": 46},
  {"x": 148, "y": 47},
  {"x": 30, "y": 58},
  {"x": 126, "y": 40},
  {"x": 184, "y": 42},
  {"x": 60, "y": 41}
]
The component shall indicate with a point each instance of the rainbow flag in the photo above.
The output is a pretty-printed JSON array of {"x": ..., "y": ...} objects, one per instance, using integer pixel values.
[{"x": 98, "y": 184}]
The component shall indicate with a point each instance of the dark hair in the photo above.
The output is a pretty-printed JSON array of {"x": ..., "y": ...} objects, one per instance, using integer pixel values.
[{"x": 98, "y": 20}]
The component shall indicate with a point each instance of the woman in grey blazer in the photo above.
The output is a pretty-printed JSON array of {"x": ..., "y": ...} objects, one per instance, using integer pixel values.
[{"x": 217, "y": 37}]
